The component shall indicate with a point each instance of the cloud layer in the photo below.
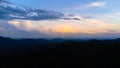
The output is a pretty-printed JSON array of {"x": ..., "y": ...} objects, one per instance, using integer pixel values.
[
  {"x": 89, "y": 28},
  {"x": 10, "y": 11}
]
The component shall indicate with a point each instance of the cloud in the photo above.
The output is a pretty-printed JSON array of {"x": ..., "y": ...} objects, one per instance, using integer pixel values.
[
  {"x": 92, "y": 4},
  {"x": 9, "y": 11},
  {"x": 22, "y": 22},
  {"x": 58, "y": 28},
  {"x": 96, "y": 4}
]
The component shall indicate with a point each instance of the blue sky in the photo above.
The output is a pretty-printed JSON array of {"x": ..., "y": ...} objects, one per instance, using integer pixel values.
[
  {"x": 69, "y": 6},
  {"x": 59, "y": 4},
  {"x": 50, "y": 4},
  {"x": 60, "y": 19}
]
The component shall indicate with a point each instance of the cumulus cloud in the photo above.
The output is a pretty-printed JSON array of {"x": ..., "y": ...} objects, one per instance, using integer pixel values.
[{"x": 57, "y": 28}]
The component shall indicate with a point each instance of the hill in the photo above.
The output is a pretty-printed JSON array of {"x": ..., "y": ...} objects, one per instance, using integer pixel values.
[{"x": 58, "y": 53}]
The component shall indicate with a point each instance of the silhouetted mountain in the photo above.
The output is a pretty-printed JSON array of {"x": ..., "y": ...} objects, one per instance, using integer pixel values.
[
  {"x": 58, "y": 53},
  {"x": 5, "y": 39}
]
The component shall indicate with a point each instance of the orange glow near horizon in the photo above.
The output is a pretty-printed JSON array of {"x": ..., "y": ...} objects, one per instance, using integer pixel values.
[
  {"x": 65, "y": 29},
  {"x": 90, "y": 27}
]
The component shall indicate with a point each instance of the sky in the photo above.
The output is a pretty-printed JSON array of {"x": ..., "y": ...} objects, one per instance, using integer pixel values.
[{"x": 60, "y": 18}]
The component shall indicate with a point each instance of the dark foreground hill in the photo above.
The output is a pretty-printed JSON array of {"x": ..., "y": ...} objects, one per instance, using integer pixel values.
[{"x": 58, "y": 53}]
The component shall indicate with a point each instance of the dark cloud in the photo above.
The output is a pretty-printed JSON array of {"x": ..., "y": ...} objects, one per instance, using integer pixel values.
[
  {"x": 71, "y": 15},
  {"x": 67, "y": 18},
  {"x": 87, "y": 17},
  {"x": 76, "y": 19},
  {"x": 9, "y": 11},
  {"x": 71, "y": 18}
]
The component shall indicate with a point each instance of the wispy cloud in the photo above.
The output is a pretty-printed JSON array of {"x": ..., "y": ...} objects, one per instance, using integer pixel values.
[
  {"x": 96, "y": 4},
  {"x": 92, "y": 4}
]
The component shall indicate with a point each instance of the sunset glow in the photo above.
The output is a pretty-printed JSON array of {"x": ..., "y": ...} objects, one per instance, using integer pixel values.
[
  {"x": 65, "y": 29},
  {"x": 79, "y": 18}
]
